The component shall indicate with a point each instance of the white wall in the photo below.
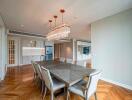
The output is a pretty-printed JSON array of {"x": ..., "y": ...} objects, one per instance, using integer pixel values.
[
  {"x": 3, "y": 49},
  {"x": 112, "y": 47}
]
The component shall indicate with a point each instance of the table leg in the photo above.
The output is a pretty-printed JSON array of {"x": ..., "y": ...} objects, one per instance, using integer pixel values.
[{"x": 67, "y": 94}]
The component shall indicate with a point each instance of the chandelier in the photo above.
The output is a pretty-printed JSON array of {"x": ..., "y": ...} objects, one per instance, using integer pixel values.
[{"x": 58, "y": 32}]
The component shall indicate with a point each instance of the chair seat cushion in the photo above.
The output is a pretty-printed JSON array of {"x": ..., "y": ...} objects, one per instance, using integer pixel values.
[
  {"x": 57, "y": 84},
  {"x": 77, "y": 88}
]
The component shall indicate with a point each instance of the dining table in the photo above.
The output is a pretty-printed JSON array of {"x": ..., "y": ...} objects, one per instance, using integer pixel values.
[{"x": 70, "y": 74}]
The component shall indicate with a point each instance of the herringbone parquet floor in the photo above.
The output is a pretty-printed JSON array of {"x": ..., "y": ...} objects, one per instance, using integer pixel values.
[{"x": 18, "y": 85}]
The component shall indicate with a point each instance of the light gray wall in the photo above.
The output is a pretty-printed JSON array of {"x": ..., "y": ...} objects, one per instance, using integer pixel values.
[
  {"x": 112, "y": 47},
  {"x": 3, "y": 49}
]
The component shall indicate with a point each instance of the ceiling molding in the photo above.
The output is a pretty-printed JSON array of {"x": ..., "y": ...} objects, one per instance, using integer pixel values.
[{"x": 25, "y": 34}]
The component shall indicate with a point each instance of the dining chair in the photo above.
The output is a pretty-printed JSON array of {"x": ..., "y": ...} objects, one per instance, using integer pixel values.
[
  {"x": 81, "y": 63},
  {"x": 86, "y": 89},
  {"x": 37, "y": 68},
  {"x": 69, "y": 61},
  {"x": 62, "y": 59},
  {"x": 52, "y": 84}
]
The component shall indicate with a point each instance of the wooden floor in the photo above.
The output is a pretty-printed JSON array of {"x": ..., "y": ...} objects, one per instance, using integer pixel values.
[{"x": 18, "y": 85}]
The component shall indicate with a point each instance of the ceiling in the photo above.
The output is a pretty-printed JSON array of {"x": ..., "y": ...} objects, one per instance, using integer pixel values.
[{"x": 32, "y": 15}]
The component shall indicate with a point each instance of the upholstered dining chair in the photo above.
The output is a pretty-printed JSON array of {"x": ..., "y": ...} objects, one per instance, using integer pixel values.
[
  {"x": 34, "y": 69},
  {"x": 69, "y": 61},
  {"x": 81, "y": 63},
  {"x": 86, "y": 89},
  {"x": 38, "y": 71},
  {"x": 52, "y": 84},
  {"x": 62, "y": 59}
]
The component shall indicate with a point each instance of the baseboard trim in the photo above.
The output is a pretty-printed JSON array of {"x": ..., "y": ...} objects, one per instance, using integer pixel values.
[
  {"x": 117, "y": 83},
  {"x": 19, "y": 65},
  {"x": 24, "y": 64}
]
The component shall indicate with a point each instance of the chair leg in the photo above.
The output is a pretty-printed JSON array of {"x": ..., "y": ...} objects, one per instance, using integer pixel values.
[
  {"x": 52, "y": 96},
  {"x": 45, "y": 91},
  {"x": 37, "y": 81},
  {"x": 34, "y": 77},
  {"x": 95, "y": 95},
  {"x": 42, "y": 87},
  {"x": 67, "y": 95}
]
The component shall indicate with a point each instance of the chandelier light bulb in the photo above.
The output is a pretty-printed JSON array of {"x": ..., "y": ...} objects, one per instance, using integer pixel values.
[
  {"x": 50, "y": 21},
  {"x": 62, "y": 11},
  {"x": 55, "y": 17}
]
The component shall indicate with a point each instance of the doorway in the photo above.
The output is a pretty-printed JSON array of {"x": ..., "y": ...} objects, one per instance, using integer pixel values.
[{"x": 12, "y": 52}]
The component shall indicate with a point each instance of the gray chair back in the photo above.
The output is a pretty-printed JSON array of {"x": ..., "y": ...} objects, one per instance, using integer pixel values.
[
  {"x": 62, "y": 59},
  {"x": 92, "y": 84},
  {"x": 38, "y": 69},
  {"x": 81, "y": 63},
  {"x": 47, "y": 78},
  {"x": 33, "y": 65}
]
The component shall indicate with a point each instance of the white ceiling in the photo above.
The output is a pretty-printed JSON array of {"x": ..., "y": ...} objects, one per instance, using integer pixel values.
[{"x": 34, "y": 14}]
